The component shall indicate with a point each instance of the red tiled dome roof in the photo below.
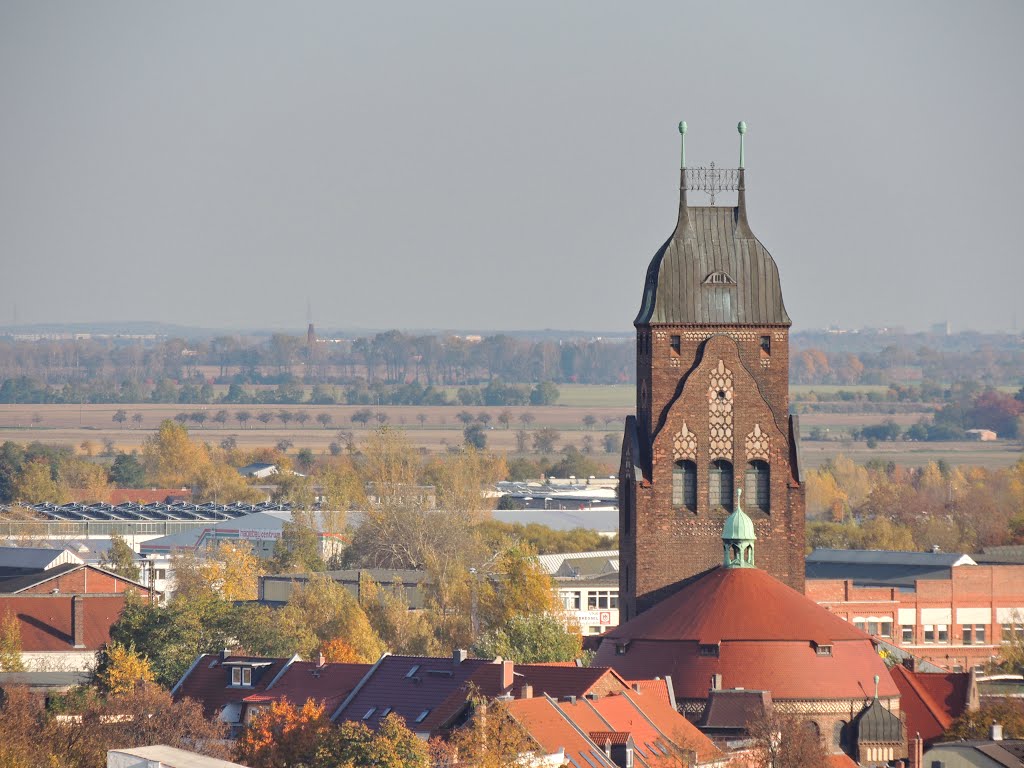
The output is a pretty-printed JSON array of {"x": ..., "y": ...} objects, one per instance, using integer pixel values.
[
  {"x": 737, "y": 604},
  {"x": 767, "y": 637}
]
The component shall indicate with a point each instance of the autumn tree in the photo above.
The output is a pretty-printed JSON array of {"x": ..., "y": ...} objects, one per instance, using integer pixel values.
[
  {"x": 170, "y": 457},
  {"x": 233, "y": 570},
  {"x": 391, "y": 745},
  {"x": 35, "y": 484},
  {"x": 284, "y": 735},
  {"x": 782, "y": 740},
  {"x": 491, "y": 738},
  {"x": 10, "y": 644},
  {"x": 402, "y": 630},
  {"x": 121, "y": 668}
]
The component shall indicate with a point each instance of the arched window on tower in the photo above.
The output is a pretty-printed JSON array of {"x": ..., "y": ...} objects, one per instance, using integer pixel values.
[
  {"x": 720, "y": 485},
  {"x": 757, "y": 493},
  {"x": 684, "y": 485}
]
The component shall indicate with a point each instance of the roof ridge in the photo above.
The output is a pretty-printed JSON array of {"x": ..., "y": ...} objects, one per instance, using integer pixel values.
[{"x": 934, "y": 709}]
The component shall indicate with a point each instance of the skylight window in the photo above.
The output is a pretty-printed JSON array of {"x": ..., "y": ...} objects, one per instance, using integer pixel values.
[
  {"x": 369, "y": 713},
  {"x": 422, "y": 716},
  {"x": 412, "y": 670}
]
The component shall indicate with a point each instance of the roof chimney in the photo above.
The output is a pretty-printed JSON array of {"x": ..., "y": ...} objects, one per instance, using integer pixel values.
[
  {"x": 507, "y": 673},
  {"x": 996, "y": 731},
  {"x": 716, "y": 682},
  {"x": 321, "y": 659},
  {"x": 526, "y": 692},
  {"x": 459, "y": 655},
  {"x": 569, "y": 699},
  {"x": 78, "y": 621}
]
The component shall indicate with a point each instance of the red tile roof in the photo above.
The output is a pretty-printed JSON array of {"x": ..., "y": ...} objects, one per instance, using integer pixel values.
[
  {"x": 765, "y": 635},
  {"x": 651, "y": 720},
  {"x": 608, "y": 737},
  {"x": 45, "y": 620},
  {"x": 930, "y": 701},
  {"x": 419, "y": 688},
  {"x": 303, "y": 680},
  {"x": 840, "y": 761},
  {"x": 553, "y": 731},
  {"x": 208, "y": 681},
  {"x": 736, "y": 604},
  {"x": 654, "y": 687}
]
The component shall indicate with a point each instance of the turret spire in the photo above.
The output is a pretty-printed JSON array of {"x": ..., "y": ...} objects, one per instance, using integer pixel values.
[{"x": 738, "y": 538}]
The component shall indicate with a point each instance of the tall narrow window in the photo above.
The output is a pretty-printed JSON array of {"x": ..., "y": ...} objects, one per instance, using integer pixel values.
[
  {"x": 758, "y": 488},
  {"x": 676, "y": 344},
  {"x": 766, "y": 344},
  {"x": 684, "y": 485},
  {"x": 720, "y": 485}
]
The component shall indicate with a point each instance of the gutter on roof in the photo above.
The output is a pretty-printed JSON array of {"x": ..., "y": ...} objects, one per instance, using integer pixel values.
[
  {"x": 284, "y": 669},
  {"x": 359, "y": 686},
  {"x": 188, "y": 672}
]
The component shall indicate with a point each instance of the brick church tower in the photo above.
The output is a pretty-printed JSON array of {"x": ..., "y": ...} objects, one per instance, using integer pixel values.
[{"x": 712, "y": 403}]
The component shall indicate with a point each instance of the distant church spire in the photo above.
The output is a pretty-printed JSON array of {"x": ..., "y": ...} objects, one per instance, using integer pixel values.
[
  {"x": 683, "y": 221},
  {"x": 738, "y": 538}
]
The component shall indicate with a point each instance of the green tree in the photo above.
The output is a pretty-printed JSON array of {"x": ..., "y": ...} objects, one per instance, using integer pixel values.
[
  {"x": 544, "y": 393},
  {"x": 36, "y": 484},
  {"x": 545, "y": 439},
  {"x": 120, "y": 559},
  {"x": 528, "y": 639},
  {"x": 127, "y": 471},
  {"x": 975, "y": 725},
  {"x": 475, "y": 436}
]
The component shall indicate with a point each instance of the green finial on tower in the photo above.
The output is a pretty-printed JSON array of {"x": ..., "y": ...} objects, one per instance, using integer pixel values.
[
  {"x": 742, "y": 128},
  {"x": 738, "y": 538},
  {"x": 682, "y": 138}
]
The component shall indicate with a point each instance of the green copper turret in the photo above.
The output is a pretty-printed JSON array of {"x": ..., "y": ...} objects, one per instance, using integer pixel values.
[{"x": 738, "y": 538}]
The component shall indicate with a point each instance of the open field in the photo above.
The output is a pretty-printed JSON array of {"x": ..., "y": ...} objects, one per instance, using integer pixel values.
[{"x": 72, "y": 424}]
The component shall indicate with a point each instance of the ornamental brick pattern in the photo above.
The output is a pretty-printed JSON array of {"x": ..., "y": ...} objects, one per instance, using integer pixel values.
[
  {"x": 720, "y": 395},
  {"x": 758, "y": 444},
  {"x": 685, "y": 444}
]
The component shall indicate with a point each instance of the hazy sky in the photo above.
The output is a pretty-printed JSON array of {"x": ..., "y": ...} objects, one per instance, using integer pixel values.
[{"x": 498, "y": 166}]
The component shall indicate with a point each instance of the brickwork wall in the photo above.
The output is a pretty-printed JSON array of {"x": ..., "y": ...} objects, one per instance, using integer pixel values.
[
  {"x": 82, "y": 582},
  {"x": 669, "y": 544},
  {"x": 972, "y": 586}
]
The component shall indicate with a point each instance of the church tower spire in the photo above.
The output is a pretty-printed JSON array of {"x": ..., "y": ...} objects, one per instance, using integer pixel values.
[{"x": 712, "y": 404}]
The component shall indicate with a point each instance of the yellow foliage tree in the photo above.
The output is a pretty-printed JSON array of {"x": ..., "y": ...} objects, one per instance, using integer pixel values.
[
  {"x": 88, "y": 477},
  {"x": 10, "y": 644},
  {"x": 339, "y": 651},
  {"x": 219, "y": 481},
  {"x": 122, "y": 669},
  {"x": 35, "y": 484},
  {"x": 170, "y": 457},
  {"x": 322, "y": 610},
  {"x": 233, "y": 571}
]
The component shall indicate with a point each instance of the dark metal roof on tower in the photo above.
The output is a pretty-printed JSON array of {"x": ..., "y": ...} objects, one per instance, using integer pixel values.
[{"x": 713, "y": 270}]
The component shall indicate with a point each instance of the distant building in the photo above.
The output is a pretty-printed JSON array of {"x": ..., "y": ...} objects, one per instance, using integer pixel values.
[
  {"x": 258, "y": 470},
  {"x": 588, "y": 588},
  {"x": 981, "y": 435},
  {"x": 941, "y": 607}
]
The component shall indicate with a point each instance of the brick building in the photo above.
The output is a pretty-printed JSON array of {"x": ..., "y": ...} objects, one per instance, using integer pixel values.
[
  {"x": 956, "y": 622},
  {"x": 712, "y": 403}
]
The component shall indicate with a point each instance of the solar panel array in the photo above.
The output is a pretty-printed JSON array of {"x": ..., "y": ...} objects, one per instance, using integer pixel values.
[{"x": 156, "y": 511}]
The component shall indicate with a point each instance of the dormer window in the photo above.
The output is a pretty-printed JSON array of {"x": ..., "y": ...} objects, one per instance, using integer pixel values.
[
  {"x": 823, "y": 650},
  {"x": 241, "y": 676},
  {"x": 708, "y": 649},
  {"x": 719, "y": 278}
]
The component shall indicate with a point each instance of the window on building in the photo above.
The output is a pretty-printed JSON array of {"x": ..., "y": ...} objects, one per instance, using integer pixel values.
[
  {"x": 369, "y": 713},
  {"x": 929, "y": 633},
  {"x": 720, "y": 485},
  {"x": 823, "y": 650},
  {"x": 967, "y": 631},
  {"x": 602, "y": 599},
  {"x": 708, "y": 650},
  {"x": 241, "y": 676},
  {"x": 684, "y": 485},
  {"x": 907, "y": 633},
  {"x": 1010, "y": 631},
  {"x": 572, "y": 600},
  {"x": 872, "y": 628},
  {"x": 979, "y": 634},
  {"x": 766, "y": 344},
  {"x": 861, "y": 625},
  {"x": 943, "y": 633},
  {"x": 757, "y": 493},
  {"x": 676, "y": 344},
  {"x": 885, "y": 629},
  {"x": 422, "y": 715}
]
